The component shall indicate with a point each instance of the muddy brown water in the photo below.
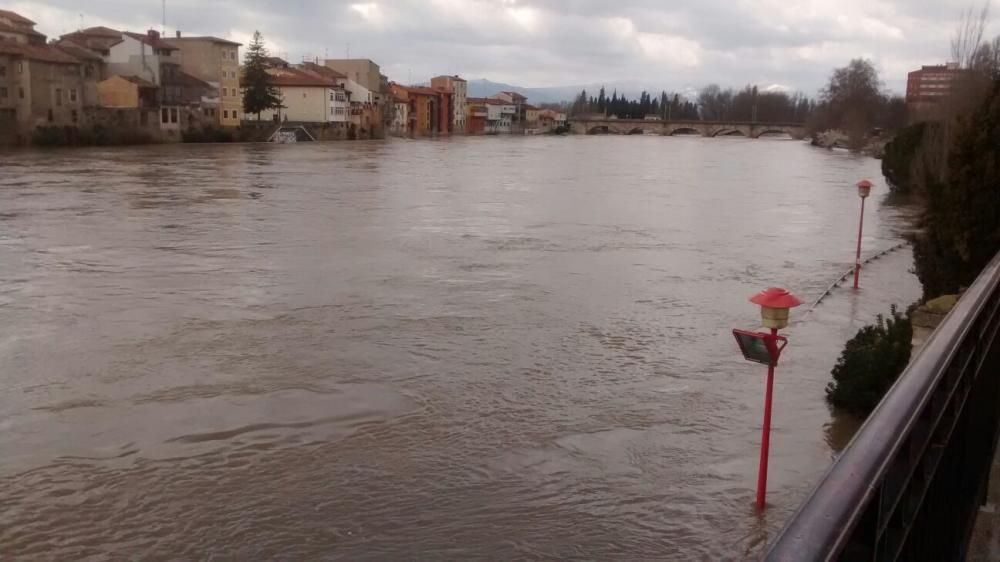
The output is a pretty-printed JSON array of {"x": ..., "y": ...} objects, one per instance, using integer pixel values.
[{"x": 487, "y": 348}]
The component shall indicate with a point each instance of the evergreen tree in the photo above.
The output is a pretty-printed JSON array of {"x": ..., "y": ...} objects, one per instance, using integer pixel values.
[
  {"x": 602, "y": 102},
  {"x": 258, "y": 94}
]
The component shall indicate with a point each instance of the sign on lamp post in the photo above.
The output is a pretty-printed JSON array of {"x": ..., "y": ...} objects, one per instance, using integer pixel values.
[
  {"x": 864, "y": 189},
  {"x": 766, "y": 348}
]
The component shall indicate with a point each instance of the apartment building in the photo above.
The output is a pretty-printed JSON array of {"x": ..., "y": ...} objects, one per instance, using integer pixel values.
[{"x": 217, "y": 62}]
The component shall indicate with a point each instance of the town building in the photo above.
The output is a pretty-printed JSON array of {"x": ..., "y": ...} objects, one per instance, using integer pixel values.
[
  {"x": 530, "y": 117},
  {"x": 217, "y": 62},
  {"x": 931, "y": 83},
  {"x": 399, "y": 125},
  {"x": 459, "y": 89},
  {"x": 476, "y": 113},
  {"x": 430, "y": 110},
  {"x": 126, "y": 92},
  {"x": 501, "y": 116},
  {"x": 18, "y": 29},
  {"x": 307, "y": 97},
  {"x": 40, "y": 84},
  {"x": 549, "y": 119},
  {"x": 519, "y": 102}
]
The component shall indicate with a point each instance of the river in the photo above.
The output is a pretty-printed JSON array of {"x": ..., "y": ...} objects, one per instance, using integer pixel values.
[{"x": 479, "y": 348}]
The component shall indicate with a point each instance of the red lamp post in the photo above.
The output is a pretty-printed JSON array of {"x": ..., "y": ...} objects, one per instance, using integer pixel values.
[
  {"x": 864, "y": 189},
  {"x": 764, "y": 347}
]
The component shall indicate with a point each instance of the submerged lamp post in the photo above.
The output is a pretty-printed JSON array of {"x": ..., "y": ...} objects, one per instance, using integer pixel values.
[
  {"x": 765, "y": 348},
  {"x": 864, "y": 189}
]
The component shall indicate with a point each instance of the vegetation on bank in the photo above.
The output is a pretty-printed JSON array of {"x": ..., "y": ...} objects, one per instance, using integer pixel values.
[
  {"x": 869, "y": 365},
  {"x": 950, "y": 164}
]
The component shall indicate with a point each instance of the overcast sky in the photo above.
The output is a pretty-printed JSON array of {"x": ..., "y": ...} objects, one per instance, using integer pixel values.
[{"x": 659, "y": 43}]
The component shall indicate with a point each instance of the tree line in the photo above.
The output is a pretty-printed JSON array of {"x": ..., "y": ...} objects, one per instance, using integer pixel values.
[{"x": 712, "y": 104}]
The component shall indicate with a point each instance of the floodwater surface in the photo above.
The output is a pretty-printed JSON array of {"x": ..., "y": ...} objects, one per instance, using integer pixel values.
[{"x": 482, "y": 348}]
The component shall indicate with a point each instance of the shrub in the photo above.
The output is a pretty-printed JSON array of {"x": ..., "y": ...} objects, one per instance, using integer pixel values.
[
  {"x": 897, "y": 162},
  {"x": 870, "y": 363}
]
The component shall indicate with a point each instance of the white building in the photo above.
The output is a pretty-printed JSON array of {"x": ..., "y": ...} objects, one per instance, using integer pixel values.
[
  {"x": 307, "y": 97},
  {"x": 499, "y": 116}
]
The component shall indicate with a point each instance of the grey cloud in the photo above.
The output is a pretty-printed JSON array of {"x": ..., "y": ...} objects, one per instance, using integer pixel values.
[{"x": 558, "y": 42}]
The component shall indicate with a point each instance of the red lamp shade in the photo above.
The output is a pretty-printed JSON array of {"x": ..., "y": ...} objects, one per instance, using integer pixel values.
[
  {"x": 774, "y": 305},
  {"x": 864, "y": 188}
]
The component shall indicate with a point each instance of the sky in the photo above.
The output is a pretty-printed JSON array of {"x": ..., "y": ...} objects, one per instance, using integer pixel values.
[{"x": 662, "y": 44}]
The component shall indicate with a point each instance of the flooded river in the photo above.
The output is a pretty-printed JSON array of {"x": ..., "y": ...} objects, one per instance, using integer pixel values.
[{"x": 484, "y": 348}]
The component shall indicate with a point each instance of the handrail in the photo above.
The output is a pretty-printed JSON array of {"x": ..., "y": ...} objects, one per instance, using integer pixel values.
[{"x": 869, "y": 501}]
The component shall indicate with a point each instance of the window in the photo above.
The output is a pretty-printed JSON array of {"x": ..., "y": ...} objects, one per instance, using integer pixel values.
[
  {"x": 173, "y": 114},
  {"x": 225, "y": 114},
  {"x": 20, "y": 67},
  {"x": 58, "y": 97},
  {"x": 3, "y": 71},
  {"x": 3, "y": 92},
  {"x": 233, "y": 55},
  {"x": 20, "y": 92},
  {"x": 164, "y": 115},
  {"x": 339, "y": 111},
  {"x": 72, "y": 95},
  {"x": 74, "y": 116},
  {"x": 304, "y": 94},
  {"x": 341, "y": 97},
  {"x": 225, "y": 92},
  {"x": 51, "y": 117}
]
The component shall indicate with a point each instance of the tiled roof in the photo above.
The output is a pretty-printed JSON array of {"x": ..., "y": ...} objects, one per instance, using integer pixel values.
[
  {"x": 99, "y": 31},
  {"x": 15, "y": 29},
  {"x": 206, "y": 38},
  {"x": 44, "y": 53},
  {"x": 298, "y": 77},
  {"x": 422, "y": 90},
  {"x": 15, "y": 17},
  {"x": 325, "y": 71},
  {"x": 136, "y": 80},
  {"x": 154, "y": 42},
  {"x": 74, "y": 50}
]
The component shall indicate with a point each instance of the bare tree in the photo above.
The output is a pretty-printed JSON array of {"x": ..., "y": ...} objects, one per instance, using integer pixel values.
[{"x": 969, "y": 36}]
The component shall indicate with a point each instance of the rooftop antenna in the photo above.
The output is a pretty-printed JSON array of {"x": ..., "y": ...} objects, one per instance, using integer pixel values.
[
  {"x": 81, "y": 21},
  {"x": 163, "y": 23}
]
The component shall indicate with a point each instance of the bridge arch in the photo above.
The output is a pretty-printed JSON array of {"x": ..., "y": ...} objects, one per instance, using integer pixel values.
[
  {"x": 636, "y": 131},
  {"x": 598, "y": 130},
  {"x": 774, "y": 132},
  {"x": 683, "y": 130},
  {"x": 726, "y": 132}
]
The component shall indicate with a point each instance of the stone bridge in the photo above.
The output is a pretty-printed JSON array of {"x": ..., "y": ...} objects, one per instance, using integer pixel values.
[{"x": 596, "y": 126}]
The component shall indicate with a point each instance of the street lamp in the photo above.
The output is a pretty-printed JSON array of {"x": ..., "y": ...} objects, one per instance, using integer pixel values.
[
  {"x": 864, "y": 190},
  {"x": 766, "y": 348}
]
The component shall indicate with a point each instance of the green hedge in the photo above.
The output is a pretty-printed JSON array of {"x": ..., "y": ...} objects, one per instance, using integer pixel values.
[{"x": 870, "y": 363}]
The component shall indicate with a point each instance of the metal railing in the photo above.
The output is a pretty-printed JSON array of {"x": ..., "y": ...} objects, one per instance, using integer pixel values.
[{"x": 909, "y": 485}]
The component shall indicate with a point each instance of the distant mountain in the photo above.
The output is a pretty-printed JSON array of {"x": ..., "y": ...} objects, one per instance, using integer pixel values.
[{"x": 482, "y": 88}]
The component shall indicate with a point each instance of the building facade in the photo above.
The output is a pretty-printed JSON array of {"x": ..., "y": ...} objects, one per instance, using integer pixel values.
[
  {"x": 307, "y": 97},
  {"x": 459, "y": 89},
  {"x": 217, "y": 62},
  {"x": 40, "y": 84},
  {"x": 931, "y": 83}
]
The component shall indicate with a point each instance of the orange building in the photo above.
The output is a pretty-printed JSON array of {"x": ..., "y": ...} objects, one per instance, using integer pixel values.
[{"x": 430, "y": 109}]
